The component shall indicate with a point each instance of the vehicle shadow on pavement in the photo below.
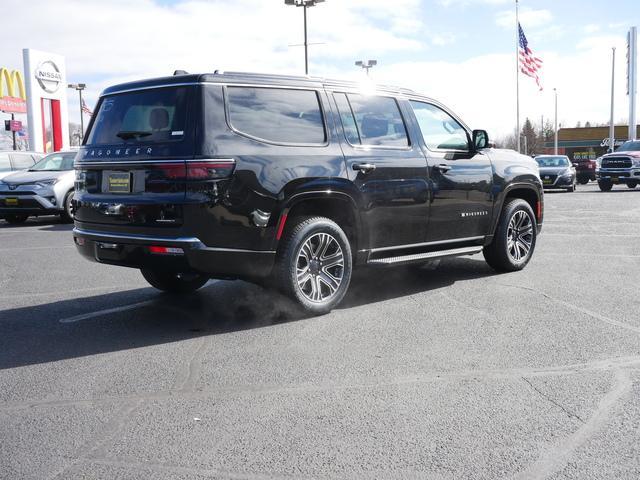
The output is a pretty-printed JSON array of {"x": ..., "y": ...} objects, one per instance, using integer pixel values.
[
  {"x": 143, "y": 317},
  {"x": 50, "y": 223}
]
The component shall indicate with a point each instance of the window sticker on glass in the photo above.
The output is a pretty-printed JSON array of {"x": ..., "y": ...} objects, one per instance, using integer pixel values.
[{"x": 176, "y": 133}]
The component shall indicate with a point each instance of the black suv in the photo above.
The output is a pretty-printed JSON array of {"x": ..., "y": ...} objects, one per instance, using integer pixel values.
[{"x": 293, "y": 182}]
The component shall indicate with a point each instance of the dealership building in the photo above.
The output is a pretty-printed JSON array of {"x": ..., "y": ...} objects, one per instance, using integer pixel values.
[{"x": 588, "y": 142}]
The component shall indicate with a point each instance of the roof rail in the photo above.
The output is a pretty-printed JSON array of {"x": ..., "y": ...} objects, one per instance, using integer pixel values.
[{"x": 180, "y": 72}]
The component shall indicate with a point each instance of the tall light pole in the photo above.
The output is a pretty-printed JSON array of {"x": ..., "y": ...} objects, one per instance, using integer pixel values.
[
  {"x": 366, "y": 66},
  {"x": 555, "y": 141},
  {"x": 79, "y": 87},
  {"x": 304, "y": 4},
  {"x": 612, "y": 128}
]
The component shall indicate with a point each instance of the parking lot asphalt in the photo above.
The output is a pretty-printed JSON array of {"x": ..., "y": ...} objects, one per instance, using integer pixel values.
[{"x": 446, "y": 373}]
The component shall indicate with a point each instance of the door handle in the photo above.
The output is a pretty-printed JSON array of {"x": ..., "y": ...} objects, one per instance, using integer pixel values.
[
  {"x": 443, "y": 168},
  {"x": 363, "y": 167}
]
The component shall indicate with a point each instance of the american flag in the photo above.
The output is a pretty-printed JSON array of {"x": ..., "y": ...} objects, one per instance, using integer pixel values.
[
  {"x": 529, "y": 63},
  {"x": 85, "y": 109}
]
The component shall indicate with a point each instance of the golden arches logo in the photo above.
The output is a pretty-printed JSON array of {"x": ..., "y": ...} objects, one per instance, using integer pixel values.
[{"x": 13, "y": 99}]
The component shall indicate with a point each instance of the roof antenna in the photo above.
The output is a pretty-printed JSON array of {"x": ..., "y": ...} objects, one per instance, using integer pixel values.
[{"x": 180, "y": 72}]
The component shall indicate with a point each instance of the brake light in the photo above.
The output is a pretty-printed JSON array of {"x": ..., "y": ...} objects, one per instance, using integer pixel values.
[
  {"x": 157, "y": 250},
  {"x": 210, "y": 169}
]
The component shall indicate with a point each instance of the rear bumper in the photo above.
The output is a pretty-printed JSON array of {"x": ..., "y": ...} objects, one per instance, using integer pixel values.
[{"x": 130, "y": 250}]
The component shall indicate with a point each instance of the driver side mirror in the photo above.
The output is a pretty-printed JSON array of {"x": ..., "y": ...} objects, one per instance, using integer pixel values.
[{"x": 481, "y": 139}]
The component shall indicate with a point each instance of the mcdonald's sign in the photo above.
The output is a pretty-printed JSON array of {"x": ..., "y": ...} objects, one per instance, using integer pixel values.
[{"x": 13, "y": 98}]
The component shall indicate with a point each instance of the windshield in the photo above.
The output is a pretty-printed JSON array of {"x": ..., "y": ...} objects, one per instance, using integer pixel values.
[
  {"x": 148, "y": 116},
  {"x": 55, "y": 162},
  {"x": 553, "y": 161},
  {"x": 629, "y": 147}
]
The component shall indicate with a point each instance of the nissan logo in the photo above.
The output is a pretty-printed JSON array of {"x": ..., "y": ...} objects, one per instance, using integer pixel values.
[{"x": 48, "y": 76}]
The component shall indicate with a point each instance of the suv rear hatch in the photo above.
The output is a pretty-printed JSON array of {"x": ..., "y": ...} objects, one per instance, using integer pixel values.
[{"x": 138, "y": 162}]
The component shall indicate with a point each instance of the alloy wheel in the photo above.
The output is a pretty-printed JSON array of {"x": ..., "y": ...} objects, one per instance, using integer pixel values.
[
  {"x": 519, "y": 236},
  {"x": 320, "y": 267}
]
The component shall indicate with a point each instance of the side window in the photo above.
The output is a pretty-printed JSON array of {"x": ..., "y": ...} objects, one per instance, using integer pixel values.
[
  {"x": 348, "y": 120},
  {"x": 379, "y": 120},
  {"x": 439, "y": 129},
  {"x": 21, "y": 161},
  {"x": 277, "y": 115}
]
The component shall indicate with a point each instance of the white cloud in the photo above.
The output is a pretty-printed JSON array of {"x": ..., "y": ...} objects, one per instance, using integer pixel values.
[
  {"x": 591, "y": 28},
  {"x": 528, "y": 17}
]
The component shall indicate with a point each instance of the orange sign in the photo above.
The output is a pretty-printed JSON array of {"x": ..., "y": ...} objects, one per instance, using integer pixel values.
[{"x": 13, "y": 98}]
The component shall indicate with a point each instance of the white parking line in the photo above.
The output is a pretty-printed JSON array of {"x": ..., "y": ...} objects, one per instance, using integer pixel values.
[{"x": 99, "y": 313}]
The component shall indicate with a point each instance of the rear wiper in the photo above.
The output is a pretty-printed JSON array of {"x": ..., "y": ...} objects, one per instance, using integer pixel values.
[{"x": 128, "y": 134}]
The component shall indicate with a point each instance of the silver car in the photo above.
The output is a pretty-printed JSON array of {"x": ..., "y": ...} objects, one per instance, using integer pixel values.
[
  {"x": 13, "y": 161},
  {"x": 44, "y": 189}
]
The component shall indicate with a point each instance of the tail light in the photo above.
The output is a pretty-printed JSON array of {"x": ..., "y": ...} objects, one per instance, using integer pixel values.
[{"x": 200, "y": 170}]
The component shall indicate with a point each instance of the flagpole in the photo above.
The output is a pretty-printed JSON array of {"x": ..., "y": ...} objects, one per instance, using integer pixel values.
[{"x": 517, "y": 78}]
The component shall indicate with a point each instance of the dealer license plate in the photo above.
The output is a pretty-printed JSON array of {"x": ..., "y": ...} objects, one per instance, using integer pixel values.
[
  {"x": 119, "y": 182},
  {"x": 11, "y": 202}
]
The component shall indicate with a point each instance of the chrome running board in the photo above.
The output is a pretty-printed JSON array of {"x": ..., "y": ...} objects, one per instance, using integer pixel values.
[{"x": 416, "y": 257}]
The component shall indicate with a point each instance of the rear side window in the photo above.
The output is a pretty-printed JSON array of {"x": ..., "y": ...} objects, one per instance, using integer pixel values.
[
  {"x": 146, "y": 116},
  {"x": 277, "y": 115},
  {"x": 21, "y": 162},
  {"x": 5, "y": 164},
  {"x": 378, "y": 121}
]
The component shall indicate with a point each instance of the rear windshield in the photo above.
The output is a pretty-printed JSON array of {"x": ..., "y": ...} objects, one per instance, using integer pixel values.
[
  {"x": 553, "y": 161},
  {"x": 145, "y": 116}
]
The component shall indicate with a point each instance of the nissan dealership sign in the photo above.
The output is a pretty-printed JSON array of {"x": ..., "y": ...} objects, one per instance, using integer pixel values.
[{"x": 48, "y": 76}]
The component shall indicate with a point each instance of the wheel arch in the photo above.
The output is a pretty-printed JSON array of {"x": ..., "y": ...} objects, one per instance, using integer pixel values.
[
  {"x": 339, "y": 206},
  {"x": 527, "y": 192}
]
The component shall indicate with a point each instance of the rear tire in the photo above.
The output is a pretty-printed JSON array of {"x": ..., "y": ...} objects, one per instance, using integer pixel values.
[
  {"x": 16, "y": 219},
  {"x": 605, "y": 186},
  {"x": 583, "y": 181},
  {"x": 515, "y": 238},
  {"x": 173, "y": 282},
  {"x": 67, "y": 215},
  {"x": 314, "y": 264}
]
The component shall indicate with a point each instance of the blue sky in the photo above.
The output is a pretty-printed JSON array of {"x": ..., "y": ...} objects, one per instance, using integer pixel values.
[{"x": 458, "y": 51}]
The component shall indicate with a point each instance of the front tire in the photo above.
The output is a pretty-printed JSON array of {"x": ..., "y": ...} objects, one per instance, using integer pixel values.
[
  {"x": 515, "y": 238},
  {"x": 67, "y": 215},
  {"x": 173, "y": 282},
  {"x": 632, "y": 185},
  {"x": 314, "y": 264},
  {"x": 605, "y": 186},
  {"x": 16, "y": 219}
]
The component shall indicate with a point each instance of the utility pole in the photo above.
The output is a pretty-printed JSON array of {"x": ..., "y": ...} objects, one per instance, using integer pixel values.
[
  {"x": 612, "y": 128},
  {"x": 632, "y": 79},
  {"x": 304, "y": 4},
  {"x": 517, "y": 78},
  {"x": 79, "y": 87},
  {"x": 555, "y": 142}
]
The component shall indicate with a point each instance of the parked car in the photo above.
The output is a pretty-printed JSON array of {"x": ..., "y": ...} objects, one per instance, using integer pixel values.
[
  {"x": 620, "y": 167},
  {"x": 12, "y": 161},
  {"x": 44, "y": 189},
  {"x": 585, "y": 170},
  {"x": 293, "y": 182},
  {"x": 556, "y": 171}
]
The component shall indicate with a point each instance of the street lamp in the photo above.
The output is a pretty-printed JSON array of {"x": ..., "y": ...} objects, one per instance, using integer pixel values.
[
  {"x": 555, "y": 138},
  {"x": 366, "y": 66},
  {"x": 304, "y": 4},
  {"x": 79, "y": 87}
]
